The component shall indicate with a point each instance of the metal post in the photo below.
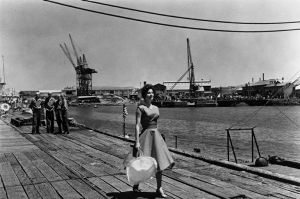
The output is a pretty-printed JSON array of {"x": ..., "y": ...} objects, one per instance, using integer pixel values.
[
  {"x": 232, "y": 148},
  {"x": 228, "y": 144},
  {"x": 256, "y": 143},
  {"x": 175, "y": 142},
  {"x": 124, "y": 126},
  {"x": 252, "y": 145}
]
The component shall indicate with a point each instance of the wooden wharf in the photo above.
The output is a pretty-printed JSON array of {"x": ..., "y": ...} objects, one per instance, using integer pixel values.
[{"x": 88, "y": 164}]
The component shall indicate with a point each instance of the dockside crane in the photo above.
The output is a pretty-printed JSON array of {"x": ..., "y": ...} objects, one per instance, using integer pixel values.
[
  {"x": 190, "y": 71},
  {"x": 83, "y": 72}
]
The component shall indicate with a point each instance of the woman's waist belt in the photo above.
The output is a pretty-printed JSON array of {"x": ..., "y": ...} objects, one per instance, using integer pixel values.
[{"x": 150, "y": 126}]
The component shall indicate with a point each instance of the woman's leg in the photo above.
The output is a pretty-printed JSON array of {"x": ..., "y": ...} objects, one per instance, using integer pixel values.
[
  {"x": 158, "y": 179},
  {"x": 159, "y": 190}
]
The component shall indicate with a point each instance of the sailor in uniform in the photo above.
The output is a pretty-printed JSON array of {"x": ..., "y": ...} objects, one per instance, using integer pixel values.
[
  {"x": 36, "y": 108},
  {"x": 49, "y": 106}
]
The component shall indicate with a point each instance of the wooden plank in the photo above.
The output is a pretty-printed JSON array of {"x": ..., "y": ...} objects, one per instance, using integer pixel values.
[
  {"x": 97, "y": 167},
  {"x": 2, "y": 193},
  {"x": 84, "y": 189},
  {"x": 46, "y": 191},
  {"x": 31, "y": 192},
  {"x": 11, "y": 158},
  {"x": 73, "y": 166},
  {"x": 246, "y": 181},
  {"x": 22, "y": 176},
  {"x": 149, "y": 187},
  {"x": 47, "y": 171},
  {"x": 116, "y": 183},
  {"x": 98, "y": 152},
  {"x": 2, "y": 157},
  {"x": 192, "y": 192},
  {"x": 96, "y": 170},
  {"x": 14, "y": 142},
  {"x": 105, "y": 187},
  {"x": 30, "y": 156},
  {"x": 59, "y": 168},
  {"x": 267, "y": 186},
  {"x": 65, "y": 190},
  {"x": 230, "y": 188},
  {"x": 203, "y": 186},
  {"x": 92, "y": 151},
  {"x": 32, "y": 172},
  {"x": 145, "y": 187},
  {"x": 8, "y": 175},
  {"x": 11, "y": 149},
  {"x": 1, "y": 183},
  {"x": 16, "y": 192},
  {"x": 73, "y": 163},
  {"x": 125, "y": 187}
]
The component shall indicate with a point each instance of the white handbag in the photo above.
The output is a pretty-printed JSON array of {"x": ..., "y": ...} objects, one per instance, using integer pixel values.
[{"x": 140, "y": 169}]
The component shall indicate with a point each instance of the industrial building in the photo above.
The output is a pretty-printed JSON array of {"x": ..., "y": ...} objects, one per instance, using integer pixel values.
[
  {"x": 124, "y": 92},
  {"x": 203, "y": 87}
]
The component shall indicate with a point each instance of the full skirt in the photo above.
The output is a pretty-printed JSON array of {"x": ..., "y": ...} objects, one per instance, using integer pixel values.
[{"x": 153, "y": 145}]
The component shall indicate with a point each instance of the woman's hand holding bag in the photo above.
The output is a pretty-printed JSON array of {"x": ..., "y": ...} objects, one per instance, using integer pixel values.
[{"x": 140, "y": 168}]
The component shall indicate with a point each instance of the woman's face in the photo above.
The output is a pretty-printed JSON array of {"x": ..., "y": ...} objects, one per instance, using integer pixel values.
[{"x": 150, "y": 94}]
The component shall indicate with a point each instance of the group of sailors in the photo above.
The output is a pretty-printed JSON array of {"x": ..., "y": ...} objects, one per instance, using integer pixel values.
[{"x": 54, "y": 108}]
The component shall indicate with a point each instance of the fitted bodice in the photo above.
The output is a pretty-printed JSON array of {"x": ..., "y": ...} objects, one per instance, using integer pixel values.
[{"x": 149, "y": 116}]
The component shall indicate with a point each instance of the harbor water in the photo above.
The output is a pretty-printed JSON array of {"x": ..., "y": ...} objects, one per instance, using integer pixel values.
[{"x": 277, "y": 128}]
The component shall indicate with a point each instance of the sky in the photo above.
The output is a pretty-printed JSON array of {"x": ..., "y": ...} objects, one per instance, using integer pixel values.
[{"x": 127, "y": 53}]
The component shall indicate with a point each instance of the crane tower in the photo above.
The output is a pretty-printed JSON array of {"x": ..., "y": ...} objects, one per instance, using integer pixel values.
[{"x": 83, "y": 72}]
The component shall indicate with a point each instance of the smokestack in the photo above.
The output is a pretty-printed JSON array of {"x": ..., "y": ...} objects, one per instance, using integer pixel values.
[
  {"x": 252, "y": 79},
  {"x": 263, "y": 76}
]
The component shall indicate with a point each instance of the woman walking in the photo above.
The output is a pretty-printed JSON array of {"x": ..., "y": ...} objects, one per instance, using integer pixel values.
[{"x": 149, "y": 140}]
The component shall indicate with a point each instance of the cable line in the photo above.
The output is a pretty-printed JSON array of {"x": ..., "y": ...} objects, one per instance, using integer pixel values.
[
  {"x": 171, "y": 25},
  {"x": 190, "y": 18}
]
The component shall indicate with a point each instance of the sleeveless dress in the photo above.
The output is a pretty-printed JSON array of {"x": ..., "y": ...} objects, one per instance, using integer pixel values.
[{"x": 151, "y": 141}]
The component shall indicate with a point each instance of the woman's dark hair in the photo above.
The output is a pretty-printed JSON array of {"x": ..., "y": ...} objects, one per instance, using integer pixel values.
[{"x": 145, "y": 90}]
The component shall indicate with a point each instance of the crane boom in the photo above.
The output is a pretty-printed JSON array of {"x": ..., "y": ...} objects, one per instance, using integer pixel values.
[
  {"x": 180, "y": 78},
  {"x": 76, "y": 55},
  {"x": 68, "y": 52},
  {"x": 191, "y": 66},
  {"x": 190, "y": 69},
  {"x": 67, "y": 55}
]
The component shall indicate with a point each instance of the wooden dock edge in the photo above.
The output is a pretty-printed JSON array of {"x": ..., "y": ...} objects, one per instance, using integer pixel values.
[
  {"x": 240, "y": 167},
  {"x": 222, "y": 163}
]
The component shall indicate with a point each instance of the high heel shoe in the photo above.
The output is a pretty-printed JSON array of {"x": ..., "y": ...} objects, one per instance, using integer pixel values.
[
  {"x": 160, "y": 193},
  {"x": 136, "y": 189}
]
